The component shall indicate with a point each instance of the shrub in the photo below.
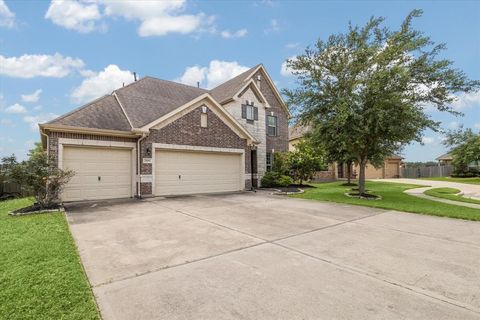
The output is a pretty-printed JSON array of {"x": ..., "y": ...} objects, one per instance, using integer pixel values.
[
  {"x": 38, "y": 176},
  {"x": 275, "y": 179},
  {"x": 284, "y": 181}
]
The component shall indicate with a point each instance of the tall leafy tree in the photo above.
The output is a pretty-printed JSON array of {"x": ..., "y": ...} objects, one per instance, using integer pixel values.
[
  {"x": 365, "y": 90},
  {"x": 464, "y": 147}
]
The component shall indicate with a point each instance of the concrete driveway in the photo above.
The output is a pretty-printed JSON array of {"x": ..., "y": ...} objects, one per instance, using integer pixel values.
[{"x": 258, "y": 256}]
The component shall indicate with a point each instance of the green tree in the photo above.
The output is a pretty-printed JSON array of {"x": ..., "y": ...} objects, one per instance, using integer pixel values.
[
  {"x": 37, "y": 176},
  {"x": 365, "y": 90},
  {"x": 304, "y": 161},
  {"x": 465, "y": 148}
]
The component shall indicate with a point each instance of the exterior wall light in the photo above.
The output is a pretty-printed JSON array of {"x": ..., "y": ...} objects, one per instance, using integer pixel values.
[
  {"x": 148, "y": 152},
  {"x": 204, "y": 109}
]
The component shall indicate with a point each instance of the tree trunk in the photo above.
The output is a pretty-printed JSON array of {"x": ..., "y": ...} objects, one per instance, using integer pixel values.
[
  {"x": 349, "y": 171},
  {"x": 361, "y": 176}
]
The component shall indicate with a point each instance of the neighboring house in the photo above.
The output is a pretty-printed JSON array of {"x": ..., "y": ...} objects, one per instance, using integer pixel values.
[
  {"x": 155, "y": 137},
  {"x": 390, "y": 169},
  {"x": 445, "y": 159}
]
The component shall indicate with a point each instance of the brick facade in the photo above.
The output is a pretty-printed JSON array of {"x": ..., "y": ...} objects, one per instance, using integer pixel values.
[
  {"x": 54, "y": 136},
  {"x": 279, "y": 143},
  {"x": 188, "y": 131}
]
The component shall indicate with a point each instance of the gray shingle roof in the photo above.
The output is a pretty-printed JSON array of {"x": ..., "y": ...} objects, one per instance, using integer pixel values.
[
  {"x": 229, "y": 88},
  {"x": 149, "y": 98},
  {"x": 102, "y": 113},
  {"x": 144, "y": 101}
]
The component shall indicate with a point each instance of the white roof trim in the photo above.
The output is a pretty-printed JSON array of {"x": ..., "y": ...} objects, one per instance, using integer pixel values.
[
  {"x": 272, "y": 85},
  {"x": 252, "y": 82},
  {"x": 206, "y": 96}
]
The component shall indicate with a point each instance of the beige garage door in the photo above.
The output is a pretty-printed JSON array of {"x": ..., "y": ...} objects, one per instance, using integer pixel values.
[
  {"x": 180, "y": 172},
  {"x": 392, "y": 170},
  {"x": 100, "y": 173}
]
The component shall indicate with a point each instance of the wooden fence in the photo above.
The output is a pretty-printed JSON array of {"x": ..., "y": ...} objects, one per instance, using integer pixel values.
[
  {"x": 426, "y": 172},
  {"x": 9, "y": 188}
]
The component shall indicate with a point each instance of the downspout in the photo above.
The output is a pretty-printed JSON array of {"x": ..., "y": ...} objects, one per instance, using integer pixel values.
[
  {"x": 139, "y": 192},
  {"x": 46, "y": 136}
]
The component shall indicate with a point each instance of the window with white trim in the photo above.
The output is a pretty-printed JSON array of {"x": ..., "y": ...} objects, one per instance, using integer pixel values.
[
  {"x": 271, "y": 125},
  {"x": 269, "y": 161},
  {"x": 250, "y": 112}
]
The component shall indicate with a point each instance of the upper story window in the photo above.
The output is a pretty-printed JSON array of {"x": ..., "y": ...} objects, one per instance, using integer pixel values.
[
  {"x": 271, "y": 125},
  {"x": 249, "y": 112}
]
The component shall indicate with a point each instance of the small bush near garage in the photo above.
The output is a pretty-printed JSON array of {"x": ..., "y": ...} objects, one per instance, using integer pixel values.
[
  {"x": 37, "y": 176},
  {"x": 273, "y": 179}
]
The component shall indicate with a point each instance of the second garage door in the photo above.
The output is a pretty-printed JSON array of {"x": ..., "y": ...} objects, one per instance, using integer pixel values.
[
  {"x": 180, "y": 172},
  {"x": 100, "y": 173}
]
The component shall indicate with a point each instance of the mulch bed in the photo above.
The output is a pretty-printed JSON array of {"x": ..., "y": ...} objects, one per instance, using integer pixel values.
[
  {"x": 365, "y": 196},
  {"x": 35, "y": 209}
]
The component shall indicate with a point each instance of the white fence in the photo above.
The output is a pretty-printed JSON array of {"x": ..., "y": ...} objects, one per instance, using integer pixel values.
[{"x": 426, "y": 172}]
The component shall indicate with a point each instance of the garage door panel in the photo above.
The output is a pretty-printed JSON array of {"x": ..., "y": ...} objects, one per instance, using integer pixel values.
[
  {"x": 200, "y": 172},
  {"x": 113, "y": 166}
]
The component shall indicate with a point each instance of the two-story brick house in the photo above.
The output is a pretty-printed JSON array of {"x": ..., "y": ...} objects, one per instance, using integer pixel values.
[{"x": 155, "y": 137}]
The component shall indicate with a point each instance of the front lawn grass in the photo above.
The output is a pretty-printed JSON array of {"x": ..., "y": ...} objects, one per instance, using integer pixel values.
[
  {"x": 393, "y": 198},
  {"x": 460, "y": 180},
  {"x": 40, "y": 272},
  {"x": 450, "y": 194}
]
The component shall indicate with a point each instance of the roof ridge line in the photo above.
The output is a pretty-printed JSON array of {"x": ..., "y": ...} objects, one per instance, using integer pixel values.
[
  {"x": 179, "y": 83},
  {"x": 123, "y": 109}
]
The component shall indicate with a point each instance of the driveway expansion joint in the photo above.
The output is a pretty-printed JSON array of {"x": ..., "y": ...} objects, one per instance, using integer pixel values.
[{"x": 396, "y": 283}]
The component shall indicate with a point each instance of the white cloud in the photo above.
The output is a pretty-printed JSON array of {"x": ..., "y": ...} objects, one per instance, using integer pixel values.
[
  {"x": 428, "y": 140},
  {"x": 216, "y": 73},
  {"x": 16, "y": 108},
  {"x": 294, "y": 45},
  {"x": 160, "y": 26},
  {"x": 237, "y": 34},
  {"x": 477, "y": 125},
  {"x": 192, "y": 75},
  {"x": 33, "y": 97},
  {"x": 103, "y": 82},
  {"x": 465, "y": 100},
  {"x": 33, "y": 121},
  {"x": 7, "y": 17},
  {"x": 29, "y": 66},
  {"x": 284, "y": 69},
  {"x": 74, "y": 15},
  {"x": 274, "y": 27},
  {"x": 157, "y": 18}
]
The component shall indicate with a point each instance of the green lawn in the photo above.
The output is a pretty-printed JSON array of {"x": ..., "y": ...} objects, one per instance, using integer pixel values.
[
  {"x": 40, "y": 272},
  {"x": 450, "y": 194},
  {"x": 461, "y": 180},
  {"x": 393, "y": 198}
]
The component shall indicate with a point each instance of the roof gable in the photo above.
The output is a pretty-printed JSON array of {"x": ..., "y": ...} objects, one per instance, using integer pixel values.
[
  {"x": 228, "y": 89},
  {"x": 204, "y": 99}
]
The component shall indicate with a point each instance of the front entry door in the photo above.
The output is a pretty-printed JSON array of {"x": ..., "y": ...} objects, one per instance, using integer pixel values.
[{"x": 253, "y": 159}]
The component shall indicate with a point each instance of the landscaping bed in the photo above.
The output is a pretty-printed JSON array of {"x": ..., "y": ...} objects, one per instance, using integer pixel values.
[{"x": 42, "y": 276}]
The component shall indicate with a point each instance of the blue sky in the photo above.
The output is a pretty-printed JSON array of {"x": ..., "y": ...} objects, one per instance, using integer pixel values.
[{"x": 56, "y": 56}]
